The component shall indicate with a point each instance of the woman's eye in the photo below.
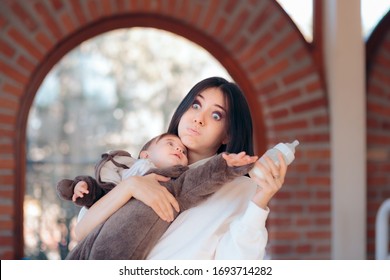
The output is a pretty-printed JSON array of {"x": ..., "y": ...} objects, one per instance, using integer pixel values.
[
  {"x": 196, "y": 105},
  {"x": 217, "y": 116}
]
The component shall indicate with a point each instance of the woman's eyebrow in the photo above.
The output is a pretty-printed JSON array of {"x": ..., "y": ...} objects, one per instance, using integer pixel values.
[
  {"x": 219, "y": 106},
  {"x": 216, "y": 105},
  {"x": 201, "y": 96}
]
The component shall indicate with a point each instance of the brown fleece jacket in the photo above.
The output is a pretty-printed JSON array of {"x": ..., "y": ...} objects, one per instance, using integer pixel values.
[
  {"x": 133, "y": 230},
  {"x": 107, "y": 177}
]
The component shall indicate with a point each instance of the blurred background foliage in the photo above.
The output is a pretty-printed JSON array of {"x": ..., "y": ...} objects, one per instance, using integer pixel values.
[{"x": 114, "y": 91}]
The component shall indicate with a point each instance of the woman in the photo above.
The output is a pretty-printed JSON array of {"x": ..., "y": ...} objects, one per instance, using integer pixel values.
[{"x": 214, "y": 117}]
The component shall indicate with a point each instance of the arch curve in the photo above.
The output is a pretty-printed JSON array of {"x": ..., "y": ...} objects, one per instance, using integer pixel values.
[{"x": 254, "y": 40}]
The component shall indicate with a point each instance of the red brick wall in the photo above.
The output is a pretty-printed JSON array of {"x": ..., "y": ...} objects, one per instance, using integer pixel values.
[
  {"x": 254, "y": 40},
  {"x": 378, "y": 126}
]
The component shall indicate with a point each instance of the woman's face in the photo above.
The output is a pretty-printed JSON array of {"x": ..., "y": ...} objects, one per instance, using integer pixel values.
[{"x": 203, "y": 127}]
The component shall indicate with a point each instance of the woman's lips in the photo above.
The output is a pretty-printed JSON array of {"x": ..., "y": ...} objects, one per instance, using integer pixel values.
[{"x": 193, "y": 131}]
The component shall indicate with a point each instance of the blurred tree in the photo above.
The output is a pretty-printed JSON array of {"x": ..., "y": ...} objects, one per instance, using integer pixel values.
[{"x": 113, "y": 91}]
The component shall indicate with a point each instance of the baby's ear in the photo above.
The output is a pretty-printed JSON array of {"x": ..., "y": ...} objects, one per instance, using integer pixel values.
[{"x": 144, "y": 154}]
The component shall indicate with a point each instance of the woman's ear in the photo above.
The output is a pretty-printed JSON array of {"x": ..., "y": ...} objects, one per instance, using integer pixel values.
[{"x": 144, "y": 154}]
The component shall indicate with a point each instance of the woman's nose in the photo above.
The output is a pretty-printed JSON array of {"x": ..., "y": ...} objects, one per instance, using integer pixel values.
[{"x": 199, "y": 120}]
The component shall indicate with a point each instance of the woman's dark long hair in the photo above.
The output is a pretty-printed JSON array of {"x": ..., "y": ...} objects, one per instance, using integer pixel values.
[{"x": 239, "y": 120}]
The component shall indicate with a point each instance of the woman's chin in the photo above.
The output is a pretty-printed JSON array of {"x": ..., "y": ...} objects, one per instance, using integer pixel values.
[{"x": 189, "y": 142}]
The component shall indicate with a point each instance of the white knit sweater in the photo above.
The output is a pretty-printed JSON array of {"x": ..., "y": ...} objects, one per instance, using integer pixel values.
[{"x": 225, "y": 226}]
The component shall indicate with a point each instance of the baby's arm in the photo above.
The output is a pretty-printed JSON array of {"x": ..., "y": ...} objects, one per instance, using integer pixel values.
[
  {"x": 232, "y": 160},
  {"x": 198, "y": 183},
  {"x": 66, "y": 189}
]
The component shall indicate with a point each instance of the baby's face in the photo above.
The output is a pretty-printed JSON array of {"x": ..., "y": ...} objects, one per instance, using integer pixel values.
[{"x": 168, "y": 151}]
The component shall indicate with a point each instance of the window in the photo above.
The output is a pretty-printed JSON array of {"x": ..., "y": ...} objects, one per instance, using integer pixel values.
[
  {"x": 372, "y": 13},
  {"x": 301, "y": 12}
]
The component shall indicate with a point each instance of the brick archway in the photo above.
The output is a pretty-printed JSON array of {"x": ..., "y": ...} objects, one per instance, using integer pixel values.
[
  {"x": 254, "y": 40},
  {"x": 378, "y": 125}
]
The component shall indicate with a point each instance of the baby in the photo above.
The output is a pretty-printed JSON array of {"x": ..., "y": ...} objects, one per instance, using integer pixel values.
[
  {"x": 133, "y": 239},
  {"x": 162, "y": 151}
]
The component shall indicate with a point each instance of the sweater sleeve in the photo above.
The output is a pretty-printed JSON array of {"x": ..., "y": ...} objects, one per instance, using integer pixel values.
[
  {"x": 196, "y": 184},
  {"x": 65, "y": 190},
  {"x": 246, "y": 237},
  {"x": 95, "y": 192}
]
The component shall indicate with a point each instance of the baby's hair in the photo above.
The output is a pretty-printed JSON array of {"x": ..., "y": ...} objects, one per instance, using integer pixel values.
[{"x": 155, "y": 140}]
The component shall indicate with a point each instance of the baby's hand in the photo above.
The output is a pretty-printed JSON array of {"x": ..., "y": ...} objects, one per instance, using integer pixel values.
[
  {"x": 238, "y": 159},
  {"x": 80, "y": 189}
]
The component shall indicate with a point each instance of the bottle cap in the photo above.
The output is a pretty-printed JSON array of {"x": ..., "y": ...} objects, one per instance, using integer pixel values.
[{"x": 288, "y": 150}]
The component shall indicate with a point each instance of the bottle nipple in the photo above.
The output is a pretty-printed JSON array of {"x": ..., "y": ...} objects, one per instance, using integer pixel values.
[{"x": 293, "y": 145}]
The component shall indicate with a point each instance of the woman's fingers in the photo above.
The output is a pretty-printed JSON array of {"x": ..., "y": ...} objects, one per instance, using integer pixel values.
[
  {"x": 172, "y": 201},
  {"x": 272, "y": 181},
  {"x": 162, "y": 212},
  {"x": 278, "y": 170},
  {"x": 156, "y": 196},
  {"x": 282, "y": 165},
  {"x": 164, "y": 205},
  {"x": 161, "y": 178},
  {"x": 168, "y": 201}
]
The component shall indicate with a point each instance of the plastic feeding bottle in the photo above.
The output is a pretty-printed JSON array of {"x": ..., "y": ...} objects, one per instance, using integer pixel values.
[{"x": 287, "y": 150}]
